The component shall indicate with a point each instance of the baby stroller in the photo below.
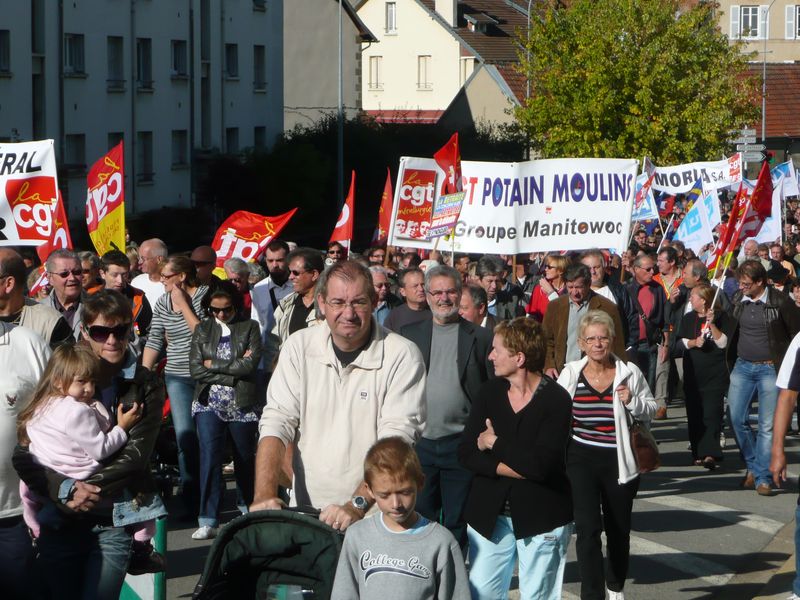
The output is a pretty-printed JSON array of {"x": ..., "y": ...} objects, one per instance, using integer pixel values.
[{"x": 258, "y": 554}]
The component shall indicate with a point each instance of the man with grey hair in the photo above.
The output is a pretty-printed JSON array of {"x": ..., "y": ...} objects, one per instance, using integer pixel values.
[
  {"x": 387, "y": 301},
  {"x": 474, "y": 307},
  {"x": 152, "y": 255},
  {"x": 238, "y": 273},
  {"x": 64, "y": 274},
  {"x": 450, "y": 389},
  {"x": 18, "y": 309},
  {"x": 502, "y": 305}
]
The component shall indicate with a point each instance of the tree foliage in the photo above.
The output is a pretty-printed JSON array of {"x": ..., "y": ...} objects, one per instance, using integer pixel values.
[{"x": 628, "y": 78}]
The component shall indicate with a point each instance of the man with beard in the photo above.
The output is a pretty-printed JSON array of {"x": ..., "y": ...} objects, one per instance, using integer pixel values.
[{"x": 450, "y": 388}]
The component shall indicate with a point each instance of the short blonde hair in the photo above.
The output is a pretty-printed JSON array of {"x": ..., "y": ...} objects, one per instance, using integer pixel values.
[
  {"x": 597, "y": 317},
  {"x": 559, "y": 261}
]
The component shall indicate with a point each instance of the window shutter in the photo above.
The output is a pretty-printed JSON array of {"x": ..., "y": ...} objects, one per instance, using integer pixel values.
[
  {"x": 735, "y": 14},
  {"x": 791, "y": 11},
  {"x": 763, "y": 22}
]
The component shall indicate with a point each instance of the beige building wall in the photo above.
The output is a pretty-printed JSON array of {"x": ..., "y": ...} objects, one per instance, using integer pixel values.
[
  {"x": 397, "y": 84},
  {"x": 755, "y": 24}
]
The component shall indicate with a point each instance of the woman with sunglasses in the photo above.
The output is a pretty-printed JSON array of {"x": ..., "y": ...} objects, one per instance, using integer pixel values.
[
  {"x": 549, "y": 287},
  {"x": 225, "y": 353},
  {"x": 175, "y": 316},
  {"x": 85, "y": 551},
  {"x": 601, "y": 465}
]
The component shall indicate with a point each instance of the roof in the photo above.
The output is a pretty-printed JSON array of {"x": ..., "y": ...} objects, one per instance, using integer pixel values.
[
  {"x": 424, "y": 117},
  {"x": 364, "y": 34},
  {"x": 783, "y": 99}
]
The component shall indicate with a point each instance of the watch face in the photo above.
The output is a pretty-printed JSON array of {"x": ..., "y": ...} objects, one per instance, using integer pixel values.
[{"x": 360, "y": 502}]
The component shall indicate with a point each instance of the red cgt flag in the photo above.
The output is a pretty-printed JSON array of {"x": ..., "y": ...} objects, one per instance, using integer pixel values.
[
  {"x": 381, "y": 234},
  {"x": 761, "y": 198},
  {"x": 448, "y": 158},
  {"x": 246, "y": 235},
  {"x": 59, "y": 236},
  {"x": 728, "y": 235},
  {"x": 343, "y": 232}
]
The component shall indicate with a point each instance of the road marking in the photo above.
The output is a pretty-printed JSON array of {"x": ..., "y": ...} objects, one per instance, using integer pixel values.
[
  {"x": 685, "y": 562},
  {"x": 731, "y": 515}
]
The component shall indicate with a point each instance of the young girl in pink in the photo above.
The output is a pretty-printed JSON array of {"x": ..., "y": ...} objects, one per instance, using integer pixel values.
[{"x": 69, "y": 431}]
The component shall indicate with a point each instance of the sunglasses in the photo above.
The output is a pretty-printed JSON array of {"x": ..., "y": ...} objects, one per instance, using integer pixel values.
[
  {"x": 101, "y": 333},
  {"x": 65, "y": 274},
  {"x": 212, "y": 310},
  {"x": 651, "y": 269},
  {"x": 297, "y": 273}
]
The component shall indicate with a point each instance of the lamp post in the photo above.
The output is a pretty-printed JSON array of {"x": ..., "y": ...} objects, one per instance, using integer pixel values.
[
  {"x": 764, "y": 77},
  {"x": 340, "y": 118}
]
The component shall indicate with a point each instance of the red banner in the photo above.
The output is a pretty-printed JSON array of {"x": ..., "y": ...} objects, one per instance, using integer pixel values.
[
  {"x": 414, "y": 204},
  {"x": 60, "y": 237},
  {"x": 381, "y": 234},
  {"x": 343, "y": 232},
  {"x": 448, "y": 158},
  {"x": 105, "y": 202},
  {"x": 246, "y": 235}
]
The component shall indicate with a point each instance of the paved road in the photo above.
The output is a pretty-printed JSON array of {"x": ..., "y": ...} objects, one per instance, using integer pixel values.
[{"x": 696, "y": 535}]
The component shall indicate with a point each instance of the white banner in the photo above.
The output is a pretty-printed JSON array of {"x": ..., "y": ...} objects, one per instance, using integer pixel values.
[
  {"x": 28, "y": 193},
  {"x": 679, "y": 179},
  {"x": 711, "y": 203},
  {"x": 534, "y": 206},
  {"x": 786, "y": 170}
]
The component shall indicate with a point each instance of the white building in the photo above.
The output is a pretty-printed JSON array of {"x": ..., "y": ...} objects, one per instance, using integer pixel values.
[{"x": 164, "y": 76}]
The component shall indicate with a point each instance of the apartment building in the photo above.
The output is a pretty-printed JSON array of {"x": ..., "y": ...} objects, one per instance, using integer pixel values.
[
  {"x": 442, "y": 59},
  {"x": 164, "y": 77}
]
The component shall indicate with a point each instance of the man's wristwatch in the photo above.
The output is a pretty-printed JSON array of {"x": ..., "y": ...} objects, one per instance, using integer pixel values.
[{"x": 360, "y": 503}]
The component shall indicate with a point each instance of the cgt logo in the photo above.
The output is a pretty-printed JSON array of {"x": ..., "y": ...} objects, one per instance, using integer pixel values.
[
  {"x": 418, "y": 186},
  {"x": 32, "y": 203}
]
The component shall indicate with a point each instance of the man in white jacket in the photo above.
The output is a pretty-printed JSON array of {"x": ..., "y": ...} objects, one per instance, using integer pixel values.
[{"x": 337, "y": 388}]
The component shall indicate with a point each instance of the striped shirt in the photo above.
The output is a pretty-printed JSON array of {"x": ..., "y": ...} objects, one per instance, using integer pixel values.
[
  {"x": 170, "y": 328},
  {"x": 593, "y": 416}
]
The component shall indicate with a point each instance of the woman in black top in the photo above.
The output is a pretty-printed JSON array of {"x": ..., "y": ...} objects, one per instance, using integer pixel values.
[
  {"x": 515, "y": 441},
  {"x": 705, "y": 374}
]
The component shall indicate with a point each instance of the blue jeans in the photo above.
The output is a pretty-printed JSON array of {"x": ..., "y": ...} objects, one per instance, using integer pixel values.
[
  {"x": 541, "y": 562},
  {"x": 446, "y": 485},
  {"x": 181, "y": 391},
  {"x": 211, "y": 431},
  {"x": 746, "y": 379},
  {"x": 796, "y": 583},
  {"x": 79, "y": 561},
  {"x": 16, "y": 565}
]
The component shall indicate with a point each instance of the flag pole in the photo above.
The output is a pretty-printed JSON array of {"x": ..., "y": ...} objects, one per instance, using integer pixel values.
[{"x": 663, "y": 234}]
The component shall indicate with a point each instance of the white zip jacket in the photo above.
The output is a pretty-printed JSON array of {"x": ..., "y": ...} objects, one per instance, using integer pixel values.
[
  {"x": 335, "y": 414},
  {"x": 642, "y": 406}
]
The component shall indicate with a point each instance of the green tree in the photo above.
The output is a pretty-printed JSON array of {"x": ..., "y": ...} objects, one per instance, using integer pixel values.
[{"x": 628, "y": 78}]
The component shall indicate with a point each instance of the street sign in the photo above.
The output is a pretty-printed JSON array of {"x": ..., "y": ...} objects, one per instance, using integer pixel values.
[
  {"x": 752, "y": 156},
  {"x": 747, "y": 131},
  {"x": 750, "y": 147},
  {"x": 745, "y": 139}
]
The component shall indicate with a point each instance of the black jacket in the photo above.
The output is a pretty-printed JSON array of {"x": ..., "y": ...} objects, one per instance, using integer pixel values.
[
  {"x": 533, "y": 442},
  {"x": 627, "y": 312},
  {"x": 656, "y": 322},
  {"x": 782, "y": 321},
  {"x": 128, "y": 469},
  {"x": 472, "y": 355},
  {"x": 507, "y": 306},
  {"x": 239, "y": 372}
]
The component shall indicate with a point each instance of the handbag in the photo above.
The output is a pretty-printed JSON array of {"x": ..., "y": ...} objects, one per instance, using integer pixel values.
[{"x": 644, "y": 445}]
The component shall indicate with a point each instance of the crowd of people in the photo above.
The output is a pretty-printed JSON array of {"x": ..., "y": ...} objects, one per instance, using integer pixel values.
[{"x": 442, "y": 410}]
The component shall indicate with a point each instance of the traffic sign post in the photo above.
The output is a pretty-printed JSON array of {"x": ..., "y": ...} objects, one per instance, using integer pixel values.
[
  {"x": 751, "y": 147},
  {"x": 752, "y": 156}
]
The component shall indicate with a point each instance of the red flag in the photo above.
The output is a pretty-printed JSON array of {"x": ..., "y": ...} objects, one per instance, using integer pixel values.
[
  {"x": 246, "y": 235},
  {"x": 761, "y": 198},
  {"x": 448, "y": 158},
  {"x": 381, "y": 234},
  {"x": 728, "y": 236},
  {"x": 665, "y": 205},
  {"x": 59, "y": 236},
  {"x": 105, "y": 201},
  {"x": 343, "y": 232},
  {"x": 41, "y": 281}
]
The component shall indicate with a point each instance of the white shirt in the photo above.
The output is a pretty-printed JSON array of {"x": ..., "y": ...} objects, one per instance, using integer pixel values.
[
  {"x": 264, "y": 311},
  {"x": 153, "y": 290},
  {"x": 788, "y": 365},
  {"x": 605, "y": 292}
]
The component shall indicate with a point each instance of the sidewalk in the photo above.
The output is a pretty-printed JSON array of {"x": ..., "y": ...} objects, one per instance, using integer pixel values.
[{"x": 775, "y": 583}]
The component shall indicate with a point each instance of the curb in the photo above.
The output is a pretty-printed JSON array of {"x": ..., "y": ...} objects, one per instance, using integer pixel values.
[{"x": 773, "y": 583}]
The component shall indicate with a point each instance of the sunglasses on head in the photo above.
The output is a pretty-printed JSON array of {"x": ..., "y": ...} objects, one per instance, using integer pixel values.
[{"x": 101, "y": 333}]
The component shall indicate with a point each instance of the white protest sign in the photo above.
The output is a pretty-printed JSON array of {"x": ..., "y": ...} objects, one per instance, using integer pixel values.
[
  {"x": 28, "y": 193},
  {"x": 786, "y": 170},
  {"x": 679, "y": 179},
  {"x": 534, "y": 206},
  {"x": 644, "y": 207}
]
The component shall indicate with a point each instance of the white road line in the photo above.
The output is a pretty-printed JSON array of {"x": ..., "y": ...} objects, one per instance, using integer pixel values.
[
  {"x": 711, "y": 572},
  {"x": 725, "y": 513}
]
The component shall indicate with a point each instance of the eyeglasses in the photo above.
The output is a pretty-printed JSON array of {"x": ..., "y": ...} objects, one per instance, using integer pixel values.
[
  {"x": 549, "y": 266},
  {"x": 212, "y": 310},
  {"x": 651, "y": 269},
  {"x": 101, "y": 333},
  {"x": 337, "y": 252},
  {"x": 437, "y": 293},
  {"x": 296, "y": 273},
  {"x": 65, "y": 274},
  {"x": 167, "y": 275},
  {"x": 359, "y": 305},
  {"x": 382, "y": 285},
  {"x": 597, "y": 339}
]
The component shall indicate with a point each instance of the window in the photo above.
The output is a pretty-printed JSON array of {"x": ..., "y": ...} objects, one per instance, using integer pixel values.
[
  {"x": 232, "y": 140},
  {"x": 792, "y": 22},
  {"x": 144, "y": 63},
  {"x": 259, "y": 68},
  {"x": 114, "y": 138},
  {"x": 260, "y": 137},
  {"x": 180, "y": 145},
  {"x": 423, "y": 72},
  {"x": 5, "y": 51},
  {"x": 179, "y": 53},
  {"x": 260, "y": 5},
  {"x": 231, "y": 60},
  {"x": 750, "y": 22},
  {"x": 144, "y": 157},
  {"x": 375, "y": 72},
  {"x": 116, "y": 71},
  {"x": 75, "y": 151},
  {"x": 391, "y": 17},
  {"x": 73, "y": 54}
]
